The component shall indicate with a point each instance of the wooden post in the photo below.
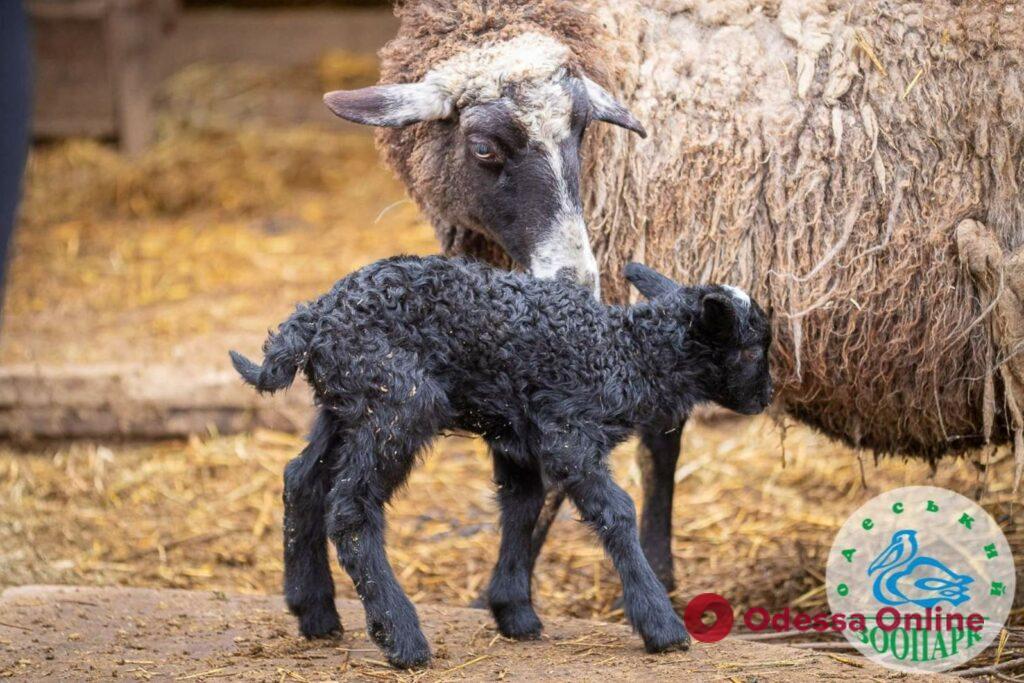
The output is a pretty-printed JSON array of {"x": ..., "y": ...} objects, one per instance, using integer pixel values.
[
  {"x": 131, "y": 33},
  {"x": 95, "y": 71}
]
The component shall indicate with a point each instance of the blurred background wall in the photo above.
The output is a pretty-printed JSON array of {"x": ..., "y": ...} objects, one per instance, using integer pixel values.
[{"x": 99, "y": 63}]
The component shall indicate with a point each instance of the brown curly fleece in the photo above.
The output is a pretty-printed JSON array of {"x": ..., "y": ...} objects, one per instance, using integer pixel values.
[{"x": 821, "y": 154}]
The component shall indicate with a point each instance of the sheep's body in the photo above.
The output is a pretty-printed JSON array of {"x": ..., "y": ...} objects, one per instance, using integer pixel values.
[
  {"x": 824, "y": 155},
  {"x": 552, "y": 379}
]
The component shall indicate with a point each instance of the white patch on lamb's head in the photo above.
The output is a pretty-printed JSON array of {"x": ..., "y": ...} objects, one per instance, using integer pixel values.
[{"x": 740, "y": 296}]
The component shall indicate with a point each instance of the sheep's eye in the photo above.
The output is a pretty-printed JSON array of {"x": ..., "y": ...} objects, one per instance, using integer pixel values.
[{"x": 484, "y": 151}]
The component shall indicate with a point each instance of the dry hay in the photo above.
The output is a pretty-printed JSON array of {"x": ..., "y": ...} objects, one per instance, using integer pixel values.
[
  {"x": 219, "y": 147},
  {"x": 751, "y": 523},
  {"x": 162, "y": 257}
]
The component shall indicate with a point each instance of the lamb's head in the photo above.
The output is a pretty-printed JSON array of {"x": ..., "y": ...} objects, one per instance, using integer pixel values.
[
  {"x": 502, "y": 154},
  {"x": 727, "y": 334}
]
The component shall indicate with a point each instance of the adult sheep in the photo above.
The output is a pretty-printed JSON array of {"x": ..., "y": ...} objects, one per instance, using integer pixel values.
[{"x": 853, "y": 163}]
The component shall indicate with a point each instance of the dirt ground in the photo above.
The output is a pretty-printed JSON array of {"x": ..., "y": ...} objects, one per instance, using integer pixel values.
[
  {"x": 145, "y": 634},
  {"x": 209, "y": 239}
]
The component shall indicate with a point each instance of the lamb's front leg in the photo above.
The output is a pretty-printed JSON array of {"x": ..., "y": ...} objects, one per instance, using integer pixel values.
[
  {"x": 521, "y": 497},
  {"x": 610, "y": 512},
  {"x": 657, "y": 457}
]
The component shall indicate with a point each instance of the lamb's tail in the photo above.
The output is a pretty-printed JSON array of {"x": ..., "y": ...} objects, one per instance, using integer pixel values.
[{"x": 283, "y": 353}]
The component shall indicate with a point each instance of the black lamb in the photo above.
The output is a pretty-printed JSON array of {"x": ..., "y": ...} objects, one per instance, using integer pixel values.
[{"x": 552, "y": 379}]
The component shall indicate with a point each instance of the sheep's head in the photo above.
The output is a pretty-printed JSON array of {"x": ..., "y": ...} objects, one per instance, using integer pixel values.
[
  {"x": 725, "y": 329},
  {"x": 509, "y": 120}
]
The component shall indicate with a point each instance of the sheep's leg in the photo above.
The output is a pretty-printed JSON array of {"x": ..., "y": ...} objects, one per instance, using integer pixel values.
[
  {"x": 609, "y": 510},
  {"x": 308, "y": 586},
  {"x": 657, "y": 457},
  {"x": 521, "y": 497},
  {"x": 375, "y": 460}
]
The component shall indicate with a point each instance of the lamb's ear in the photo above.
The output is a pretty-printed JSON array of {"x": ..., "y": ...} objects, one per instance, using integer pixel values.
[
  {"x": 718, "y": 315},
  {"x": 393, "y": 106},
  {"x": 606, "y": 108},
  {"x": 648, "y": 281}
]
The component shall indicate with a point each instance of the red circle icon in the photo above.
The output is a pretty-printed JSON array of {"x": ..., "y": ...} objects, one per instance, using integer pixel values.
[{"x": 694, "y": 612}]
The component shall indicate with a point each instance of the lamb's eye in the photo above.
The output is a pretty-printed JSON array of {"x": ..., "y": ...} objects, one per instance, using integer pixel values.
[
  {"x": 750, "y": 355},
  {"x": 483, "y": 151}
]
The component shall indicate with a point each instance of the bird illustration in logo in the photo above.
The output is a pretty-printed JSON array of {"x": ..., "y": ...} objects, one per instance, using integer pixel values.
[{"x": 904, "y": 577}]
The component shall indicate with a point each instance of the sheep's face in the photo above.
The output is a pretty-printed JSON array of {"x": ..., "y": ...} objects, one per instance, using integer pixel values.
[
  {"x": 727, "y": 338},
  {"x": 510, "y": 119}
]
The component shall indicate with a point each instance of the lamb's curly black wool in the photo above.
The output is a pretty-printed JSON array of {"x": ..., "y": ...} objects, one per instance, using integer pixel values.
[{"x": 551, "y": 378}]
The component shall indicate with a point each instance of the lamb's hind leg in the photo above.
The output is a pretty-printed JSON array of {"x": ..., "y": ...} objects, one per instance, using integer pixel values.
[
  {"x": 520, "y": 496},
  {"x": 308, "y": 586},
  {"x": 374, "y": 460}
]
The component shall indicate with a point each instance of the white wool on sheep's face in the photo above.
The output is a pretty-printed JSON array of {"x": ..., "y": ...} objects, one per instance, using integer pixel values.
[
  {"x": 533, "y": 63},
  {"x": 568, "y": 245},
  {"x": 544, "y": 110},
  {"x": 479, "y": 74}
]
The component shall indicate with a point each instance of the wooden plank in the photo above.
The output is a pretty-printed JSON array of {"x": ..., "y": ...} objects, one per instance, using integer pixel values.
[
  {"x": 59, "y": 10},
  {"x": 132, "y": 401}
]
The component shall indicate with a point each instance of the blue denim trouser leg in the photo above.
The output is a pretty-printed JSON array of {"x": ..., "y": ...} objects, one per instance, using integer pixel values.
[{"x": 15, "y": 106}]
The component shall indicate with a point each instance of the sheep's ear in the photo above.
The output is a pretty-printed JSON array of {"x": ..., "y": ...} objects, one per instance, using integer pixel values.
[
  {"x": 393, "y": 106},
  {"x": 648, "y": 281},
  {"x": 718, "y": 315},
  {"x": 606, "y": 108}
]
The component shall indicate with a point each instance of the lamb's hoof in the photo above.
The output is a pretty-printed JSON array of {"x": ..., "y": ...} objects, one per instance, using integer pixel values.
[
  {"x": 668, "y": 638},
  {"x": 519, "y": 622},
  {"x": 409, "y": 653},
  {"x": 320, "y": 621}
]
